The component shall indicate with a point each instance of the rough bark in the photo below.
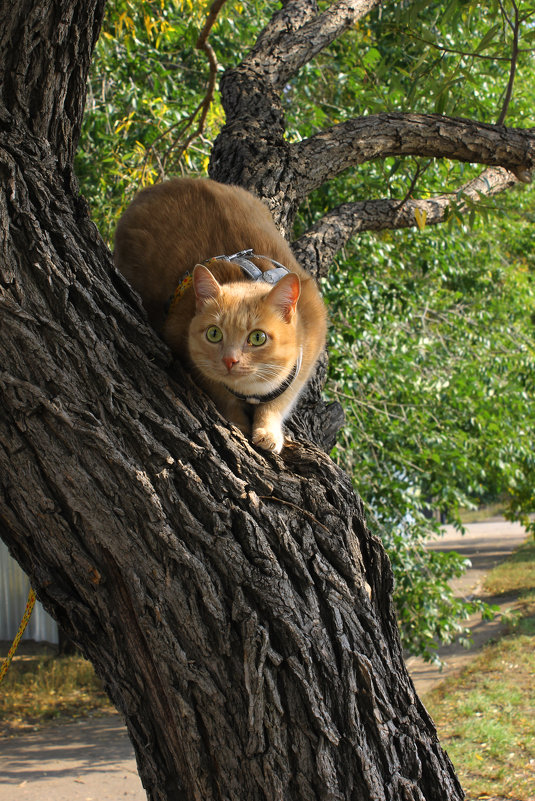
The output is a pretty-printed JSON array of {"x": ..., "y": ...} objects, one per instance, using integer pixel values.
[
  {"x": 46, "y": 51},
  {"x": 297, "y": 33},
  {"x": 431, "y": 135},
  {"x": 234, "y": 603},
  {"x": 220, "y": 593},
  {"x": 318, "y": 246}
]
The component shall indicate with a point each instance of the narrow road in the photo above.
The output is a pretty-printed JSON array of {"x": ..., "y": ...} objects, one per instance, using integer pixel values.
[
  {"x": 93, "y": 759},
  {"x": 486, "y": 544},
  {"x": 86, "y": 760}
]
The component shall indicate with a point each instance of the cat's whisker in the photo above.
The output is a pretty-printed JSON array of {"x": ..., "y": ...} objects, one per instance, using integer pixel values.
[
  {"x": 268, "y": 371},
  {"x": 268, "y": 366}
]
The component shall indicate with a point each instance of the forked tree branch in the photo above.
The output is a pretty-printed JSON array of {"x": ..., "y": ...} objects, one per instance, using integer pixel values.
[
  {"x": 297, "y": 33},
  {"x": 203, "y": 45},
  {"x": 378, "y": 136},
  {"x": 284, "y": 174},
  {"x": 318, "y": 246}
]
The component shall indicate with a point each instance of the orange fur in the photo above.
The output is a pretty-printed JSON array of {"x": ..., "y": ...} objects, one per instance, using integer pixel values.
[{"x": 173, "y": 226}]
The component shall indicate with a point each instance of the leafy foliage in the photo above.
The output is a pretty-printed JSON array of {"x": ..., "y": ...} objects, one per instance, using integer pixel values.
[
  {"x": 431, "y": 343},
  {"x": 432, "y": 355},
  {"x": 147, "y": 83}
]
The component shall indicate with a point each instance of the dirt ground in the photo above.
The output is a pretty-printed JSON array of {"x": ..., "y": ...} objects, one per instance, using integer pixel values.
[
  {"x": 86, "y": 760},
  {"x": 93, "y": 759}
]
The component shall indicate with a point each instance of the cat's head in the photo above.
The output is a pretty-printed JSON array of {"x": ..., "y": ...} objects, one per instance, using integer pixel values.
[{"x": 244, "y": 334}]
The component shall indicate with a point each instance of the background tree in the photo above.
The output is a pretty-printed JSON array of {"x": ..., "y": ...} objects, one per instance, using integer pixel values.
[{"x": 234, "y": 603}]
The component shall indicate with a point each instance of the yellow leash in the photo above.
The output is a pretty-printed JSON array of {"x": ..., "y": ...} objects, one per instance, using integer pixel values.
[{"x": 27, "y": 612}]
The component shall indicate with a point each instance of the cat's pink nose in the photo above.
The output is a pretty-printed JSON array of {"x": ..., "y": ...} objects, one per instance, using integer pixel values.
[{"x": 229, "y": 362}]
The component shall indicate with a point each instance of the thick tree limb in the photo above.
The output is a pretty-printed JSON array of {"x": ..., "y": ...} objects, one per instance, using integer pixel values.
[
  {"x": 297, "y": 33},
  {"x": 330, "y": 152},
  {"x": 318, "y": 246}
]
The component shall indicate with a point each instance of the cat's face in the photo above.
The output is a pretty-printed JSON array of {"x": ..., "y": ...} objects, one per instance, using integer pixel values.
[{"x": 244, "y": 334}]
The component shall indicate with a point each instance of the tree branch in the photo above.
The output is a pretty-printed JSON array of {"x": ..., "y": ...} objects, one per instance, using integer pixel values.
[
  {"x": 377, "y": 136},
  {"x": 420, "y": 169},
  {"x": 443, "y": 49},
  {"x": 318, "y": 246},
  {"x": 297, "y": 33},
  {"x": 515, "y": 27},
  {"x": 202, "y": 108}
]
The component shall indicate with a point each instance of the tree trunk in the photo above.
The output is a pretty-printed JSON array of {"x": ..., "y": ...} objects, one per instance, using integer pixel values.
[
  {"x": 233, "y": 602},
  {"x": 220, "y": 592}
]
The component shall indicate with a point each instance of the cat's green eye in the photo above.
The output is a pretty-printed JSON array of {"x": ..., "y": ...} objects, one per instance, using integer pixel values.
[
  {"x": 214, "y": 334},
  {"x": 257, "y": 337}
]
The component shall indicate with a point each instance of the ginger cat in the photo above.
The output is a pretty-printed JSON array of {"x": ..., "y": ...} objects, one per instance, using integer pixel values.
[{"x": 249, "y": 325}]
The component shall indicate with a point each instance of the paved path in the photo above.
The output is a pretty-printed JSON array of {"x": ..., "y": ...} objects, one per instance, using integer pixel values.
[
  {"x": 86, "y": 760},
  {"x": 93, "y": 760},
  {"x": 486, "y": 544}
]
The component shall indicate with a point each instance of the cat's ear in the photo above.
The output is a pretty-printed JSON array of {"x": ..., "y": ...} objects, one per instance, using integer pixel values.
[
  {"x": 285, "y": 294},
  {"x": 205, "y": 285}
]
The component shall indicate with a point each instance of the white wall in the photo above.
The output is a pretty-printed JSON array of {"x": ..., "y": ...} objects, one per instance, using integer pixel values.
[{"x": 14, "y": 588}]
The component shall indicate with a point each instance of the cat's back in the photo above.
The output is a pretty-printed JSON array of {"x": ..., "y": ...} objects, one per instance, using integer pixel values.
[{"x": 174, "y": 225}]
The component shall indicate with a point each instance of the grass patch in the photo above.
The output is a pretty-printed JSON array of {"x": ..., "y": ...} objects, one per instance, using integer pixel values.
[
  {"x": 486, "y": 717},
  {"x": 516, "y": 574},
  {"x": 482, "y": 513},
  {"x": 40, "y": 688}
]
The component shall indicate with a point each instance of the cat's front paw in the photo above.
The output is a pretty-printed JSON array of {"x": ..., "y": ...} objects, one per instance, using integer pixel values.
[{"x": 270, "y": 439}]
